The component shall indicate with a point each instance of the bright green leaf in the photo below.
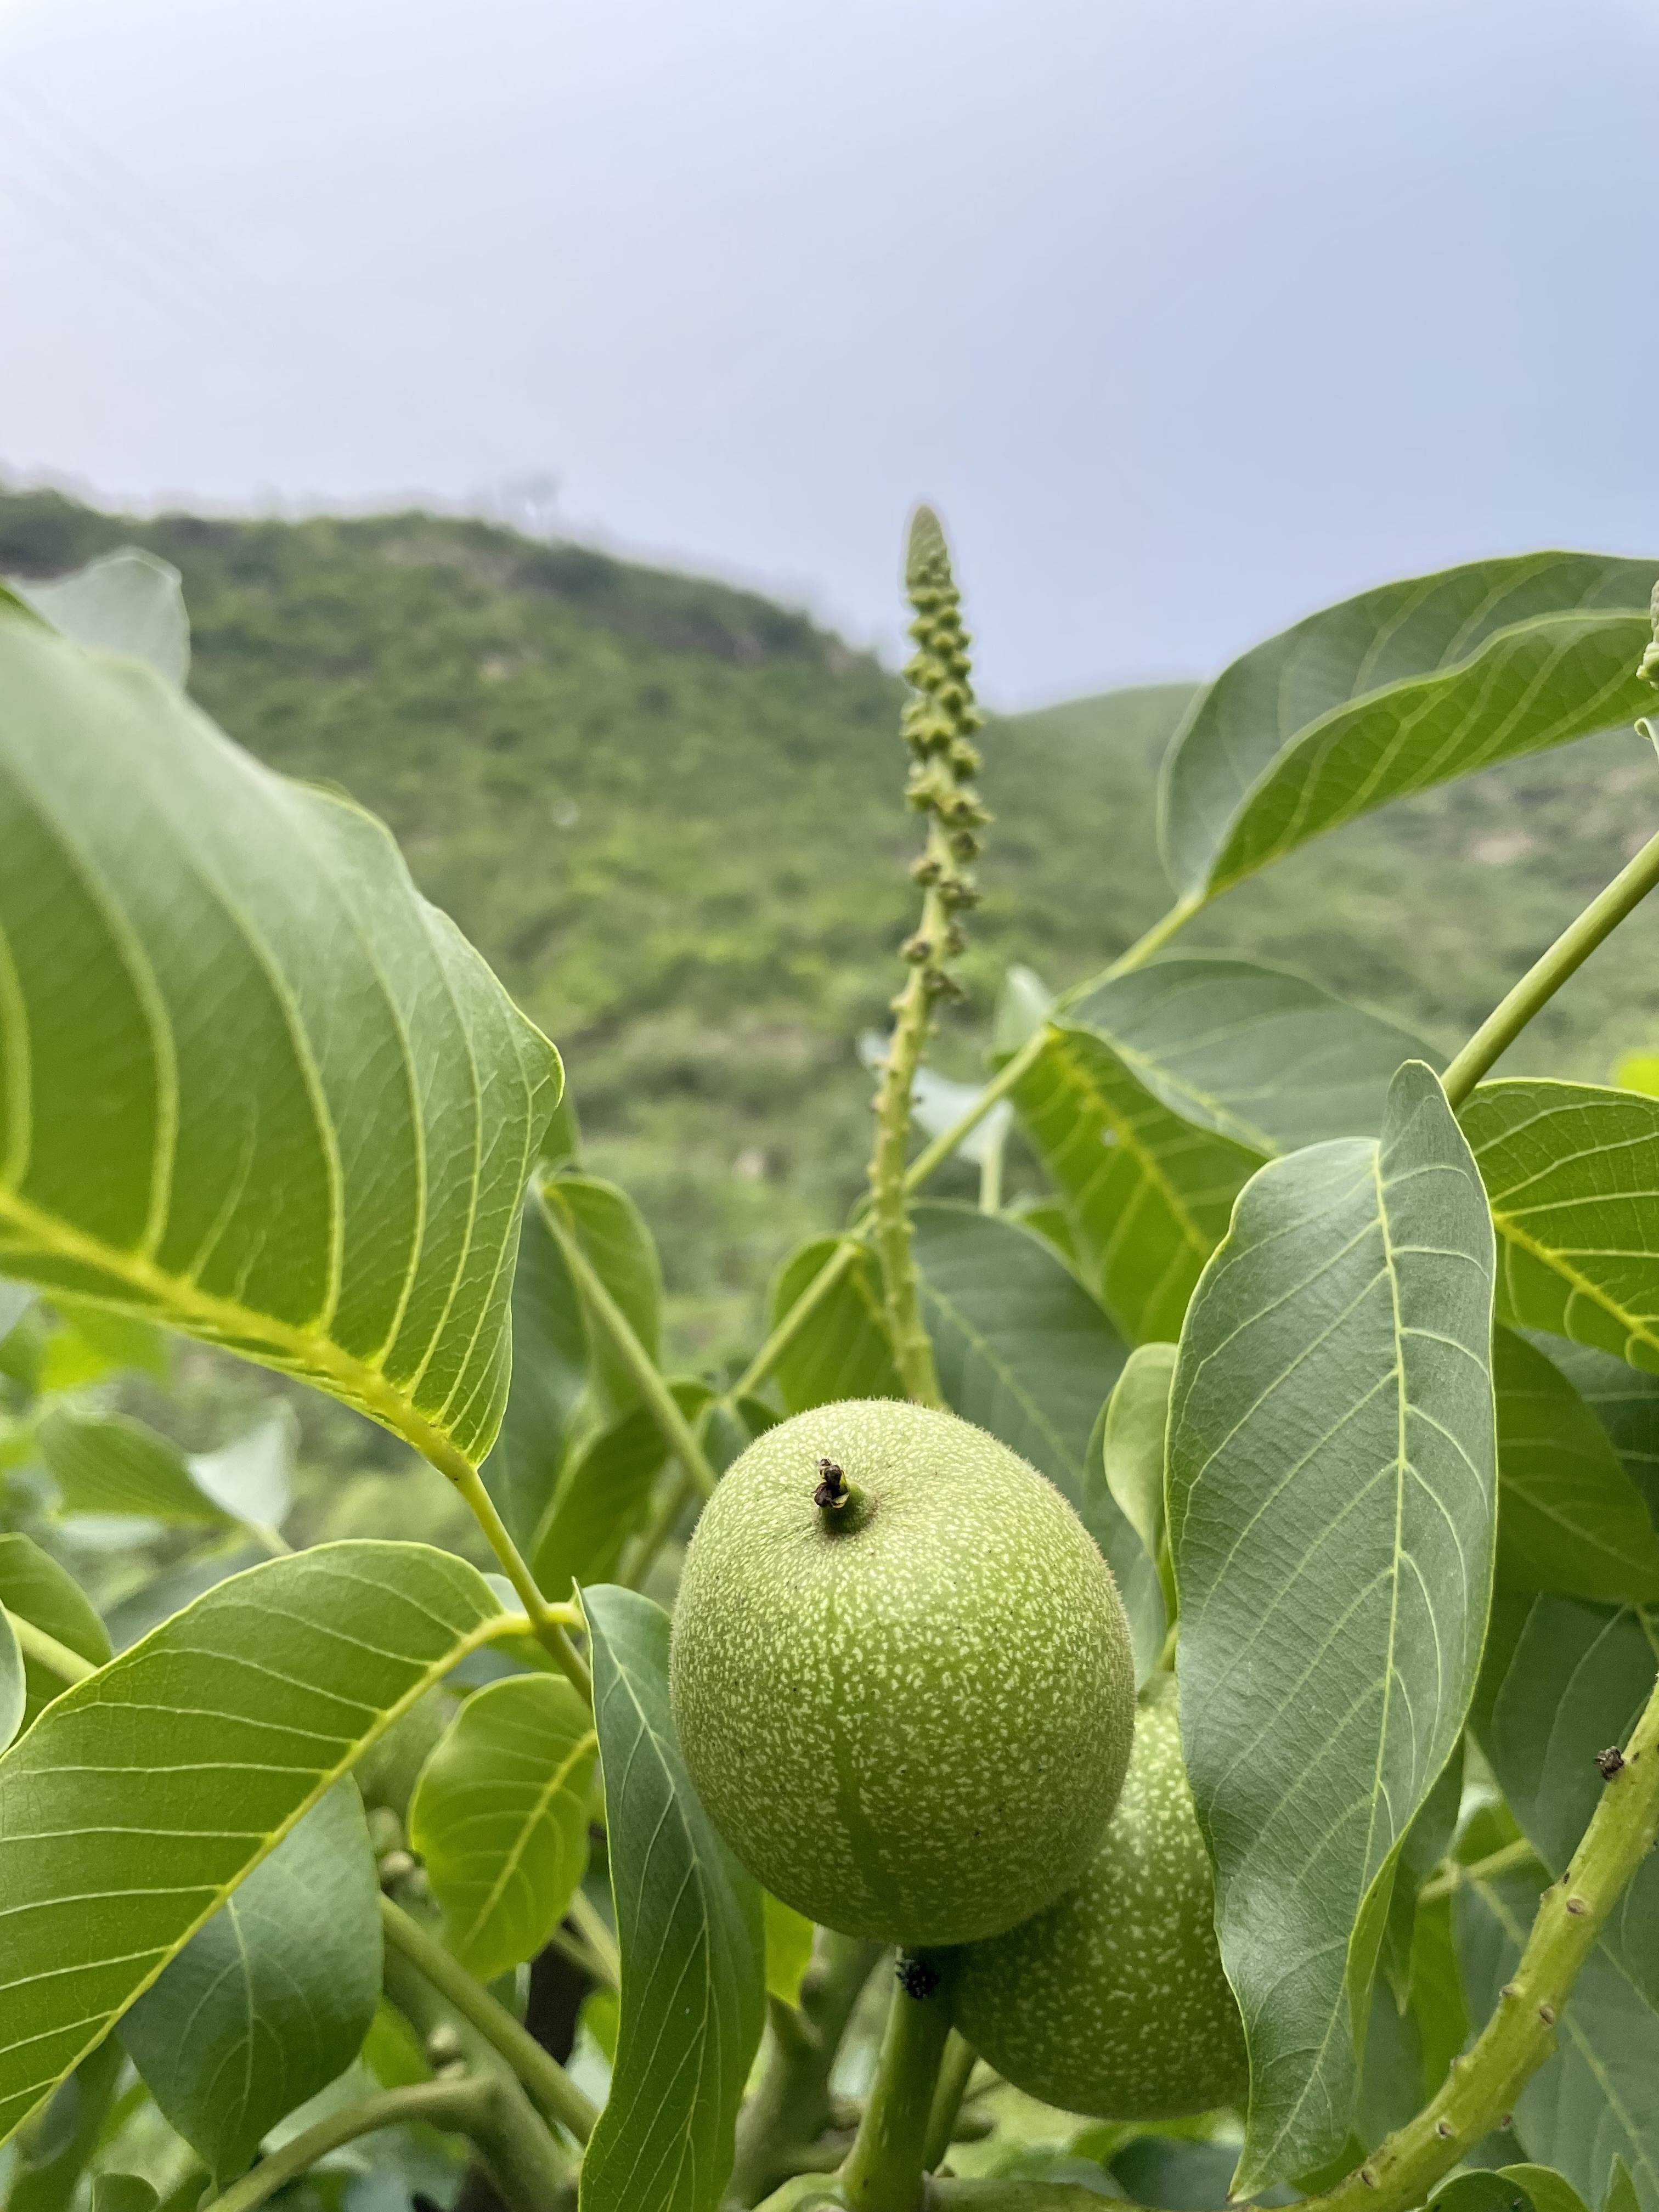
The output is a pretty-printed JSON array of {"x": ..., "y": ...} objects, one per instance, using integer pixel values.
[
  {"x": 34, "y": 1587},
  {"x": 1569, "y": 1518},
  {"x": 1161, "y": 1092},
  {"x": 1593, "y": 2100},
  {"x": 126, "y": 602},
  {"x": 1571, "y": 1172},
  {"x": 549, "y": 1374},
  {"x": 612, "y": 1233},
  {"x": 92, "y": 1341},
  {"x": 788, "y": 1949},
  {"x": 106, "y": 1463},
  {"x": 1135, "y": 1570},
  {"x": 690, "y": 1926},
  {"x": 1550, "y": 2192},
  {"x": 1136, "y": 1417},
  {"x": 137, "y": 1802},
  {"x": 270, "y": 2001},
  {"x": 1332, "y": 1502},
  {"x": 1392, "y": 692},
  {"x": 603, "y": 1495},
  {"x": 1562, "y": 1680},
  {"x": 1022, "y": 1348},
  {"x": 14, "y": 1687},
  {"x": 243, "y": 1178},
  {"x": 842, "y": 1350},
  {"x": 1621, "y": 2195},
  {"x": 500, "y": 1817}
]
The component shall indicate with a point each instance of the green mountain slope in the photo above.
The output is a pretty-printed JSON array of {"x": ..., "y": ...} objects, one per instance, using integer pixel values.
[{"x": 668, "y": 812}]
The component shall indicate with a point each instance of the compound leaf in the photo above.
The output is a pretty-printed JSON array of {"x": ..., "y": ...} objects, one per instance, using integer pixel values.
[
  {"x": 690, "y": 1926},
  {"x": 301, "y": 1123},
  {"x": 500, "y": 1817},
  {"x": 1572, "y": 1172},
  {"x": 139, "y": 1800},
  {"x": 1568, "y": 1517},
  {"x": 1159, "y": 1094},
  {"x": 36, "y": 1588},
  {"x": 269, "y": 2002},
  {"x": 1392, "y": 692},
  {"x": 1332, "y": 1503}
]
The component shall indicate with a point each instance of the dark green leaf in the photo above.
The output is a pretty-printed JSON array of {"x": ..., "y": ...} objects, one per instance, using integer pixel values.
[
  {"x": 500, "y": 1817},
  {"x": 549, "y": 1374},
  {"x": 265, "y": 2005},
  {"x": 1570, "y": 1171},
  {"x": 689, "y": 1926},
  {"x": 842, "y": 1350},
  {"x": 1022, "y": 1348},
  {"x": 238, "y": 1177},
  {"x": 106, "y": 1463},
  {"x": 1593, "y": 2101},
  {"x": 1550, "y": 2192},
  {"x": 613, "y": 1234},
  {"x": 34, "y": 1587},
  {"x": 1568, "y": 1517},
  {"x": 1480, "y": 2190},
  {"x": 603, "y": 1496},
  {"x": 1332, "y": 1502},
  {"x": 1437, "y": 1992},
  {"x": 1623, "y": 1400},
  {"x": 1163, "y": 1091},
  {"x": 1137, "y": 1418},
  {"x": 55, "y": 2144},
  {"x": 137, "y": 1802},
  {"x": 123, "y": 2192},
  {"x": 1427, "y": 1841},
  {"x": 1401, "y": 688},
  {"x": 1562, "y": 1679}
]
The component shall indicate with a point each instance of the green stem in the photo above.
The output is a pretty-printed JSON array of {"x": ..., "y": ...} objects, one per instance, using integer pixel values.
[
  {"x": 46, "y": 1651},
  {"x": 455, "y": 2105},
  {"x": 934, "y": 1155},
  {"x": 912, "y": 1348},
  {"x": 1155, "y": 939},
  {"x": 595, "y": 1932},
  {"x": 1483, "y": 2085},
  {"x": 780, "y": 2127},
  {"x": 548, "y": 2085},
  {"x": 677, "y": 1431},
  {"x": 1518, "y": 1854},
  {"x": 990, "y": 1171},
  {"x": 1545, "y": 976},
  {"x": 883, "y": 2169},
  {"x": 789, "y": 1327},
  {"x": 953, "y": 2195},
  {"x": 955, "y": 2068},
  {"x": 546, "y": 1621}
]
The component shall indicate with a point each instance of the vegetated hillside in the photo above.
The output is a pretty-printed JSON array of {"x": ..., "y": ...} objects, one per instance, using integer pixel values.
[{"x": 669, "y": 813}]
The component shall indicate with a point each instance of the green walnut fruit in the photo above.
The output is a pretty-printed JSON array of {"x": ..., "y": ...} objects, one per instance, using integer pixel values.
[
  {"x": 900, "y": 1674},
  {"x": 1113, "y": 2001}
]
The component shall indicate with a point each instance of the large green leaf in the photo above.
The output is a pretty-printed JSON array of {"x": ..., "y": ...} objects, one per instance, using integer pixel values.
[
  {"x": 603, "y": 1492},
  {"x": 842, "y": 1352},
  {"x": 1561, "y": 1680},
  {"x": 549, "y": 1374},
  {"x": 690, "y": 1926},
  {"x": 1623, "y": 1399},
  {"x": 1332, "y": 1504},
  {"x": 36, "y": 1588},
  {"x": 500, "y": 1817},
  {"x": 1593, "y": 2100},
  {"x": 107, "y": 1464},
  {"x": 1568, "y": 1517},
  {"x": 51, "y": 2154},
  {"x": 1398, "y": 690},
  {"x": 269, "y": 2002},
  {"x": 137, "y": 1802},
  {"x": 1022, "y": 1348},
  {"x": 1159, "y": 1094},
  {"x": 1572, "y": 1172},
  {"x": 301, "y": 1121},
  {"x": 612, "y": 1233},
  {"x": 125, "y": 602}
]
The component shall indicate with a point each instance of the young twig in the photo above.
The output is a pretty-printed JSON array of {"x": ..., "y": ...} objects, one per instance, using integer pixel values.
[{"x": 938, "y": 725}]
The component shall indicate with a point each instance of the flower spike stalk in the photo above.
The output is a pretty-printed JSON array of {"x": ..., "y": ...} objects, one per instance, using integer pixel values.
[{"x": 938, "y": 725}]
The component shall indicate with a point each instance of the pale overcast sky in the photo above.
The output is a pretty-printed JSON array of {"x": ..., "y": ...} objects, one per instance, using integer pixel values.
[{"x": 1191, "y": 314}]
